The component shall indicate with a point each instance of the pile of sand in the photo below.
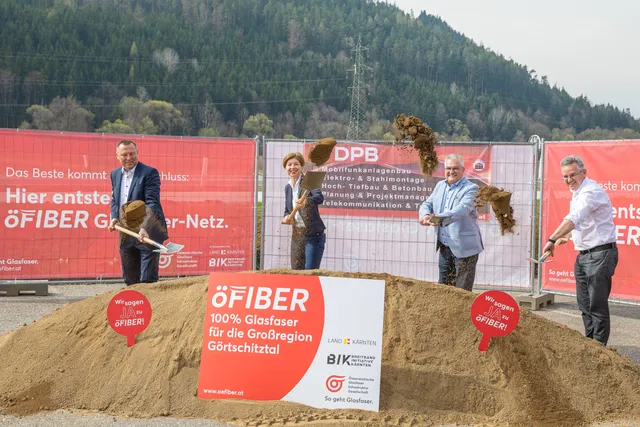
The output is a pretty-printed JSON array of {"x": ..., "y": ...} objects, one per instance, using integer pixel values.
[
  {"x": 500, "y": 201},
  {"x": 542, "y": 374},
  {"x": 423, "y": 138}
]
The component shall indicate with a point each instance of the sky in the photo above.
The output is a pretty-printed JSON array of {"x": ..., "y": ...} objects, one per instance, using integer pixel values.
[{"x": 589, "y": 47}]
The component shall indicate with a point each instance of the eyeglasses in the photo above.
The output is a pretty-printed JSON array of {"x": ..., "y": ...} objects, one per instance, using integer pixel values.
[{"x": 572, "y": 176}]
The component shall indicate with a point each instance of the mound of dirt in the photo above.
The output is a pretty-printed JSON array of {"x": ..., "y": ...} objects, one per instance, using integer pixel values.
[
  {"x": 542, "y": 374},
  {"x": 500, "y": 201},
  {"x": 423, "y": 138}
]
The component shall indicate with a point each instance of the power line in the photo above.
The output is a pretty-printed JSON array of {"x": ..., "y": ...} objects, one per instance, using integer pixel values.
[
  {"x": 129, "y": 84},
  {"x": 187, "y": 61},
  {"x": 275, "y": 101}
]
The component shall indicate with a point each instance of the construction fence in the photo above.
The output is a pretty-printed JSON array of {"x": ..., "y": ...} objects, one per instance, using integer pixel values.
[
  {"x": 372, "y": 194},
  {"x": 55, "y": 193},
  {"x": 610, "y": 163}
]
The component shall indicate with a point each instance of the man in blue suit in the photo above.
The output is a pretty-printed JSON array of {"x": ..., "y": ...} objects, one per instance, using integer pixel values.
[
  {"x": 458, "y": 235},
  {"x": 137, "y": 181}
]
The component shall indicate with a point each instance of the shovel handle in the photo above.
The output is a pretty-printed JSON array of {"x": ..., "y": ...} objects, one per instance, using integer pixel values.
[
  {"x": 302, "y": 199},
  {"x": 137, "y": 236},
  {"x": 560, "y": 241},
  {"x": 544, "y": 256}
]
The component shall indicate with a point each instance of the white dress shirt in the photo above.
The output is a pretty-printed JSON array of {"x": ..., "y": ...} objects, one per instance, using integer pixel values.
[
  {"x": 125, "y": 185},
  {"x": 591, "y": 215},
  {"x": 443, "y": 232},
  {"x": 297, "y": 219}
]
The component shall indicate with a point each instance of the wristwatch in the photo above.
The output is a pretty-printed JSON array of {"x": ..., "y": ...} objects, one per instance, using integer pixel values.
[{"x": 552, "y": 241}]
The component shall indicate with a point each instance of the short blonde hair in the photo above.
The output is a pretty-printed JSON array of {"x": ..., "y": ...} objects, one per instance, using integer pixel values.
[{"x": 297, "y": 156}]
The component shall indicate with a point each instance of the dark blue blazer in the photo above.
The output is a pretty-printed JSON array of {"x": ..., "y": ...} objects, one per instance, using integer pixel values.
[
  {"x": 310, "y": 214},
  {"x": 145, "y": 186}
]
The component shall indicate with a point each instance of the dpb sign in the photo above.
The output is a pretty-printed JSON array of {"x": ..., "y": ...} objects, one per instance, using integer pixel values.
[{"x": 368, "y": 154}]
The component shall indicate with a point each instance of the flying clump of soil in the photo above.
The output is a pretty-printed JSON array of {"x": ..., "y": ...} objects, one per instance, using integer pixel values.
[
  {"x": 321, "y": 151},
  {"x": 133, "y": 214},
  {"x": 500, "y": 201},
  {"x": 423, "y": 138}
]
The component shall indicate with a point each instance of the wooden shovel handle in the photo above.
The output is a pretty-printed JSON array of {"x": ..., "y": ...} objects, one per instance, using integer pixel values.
[
  {"x": 137, "y": 236},
  {"x": 295, "y": 209},
  {"x": 560, "y": 241}
]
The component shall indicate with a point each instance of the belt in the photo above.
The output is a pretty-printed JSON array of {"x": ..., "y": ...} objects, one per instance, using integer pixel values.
[
  {"x": 598, "y": 248},
  {"x": 303, "y": 232}
]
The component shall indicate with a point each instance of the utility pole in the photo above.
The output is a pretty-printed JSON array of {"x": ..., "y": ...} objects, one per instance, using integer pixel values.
[{"x": 358, "y": 95}]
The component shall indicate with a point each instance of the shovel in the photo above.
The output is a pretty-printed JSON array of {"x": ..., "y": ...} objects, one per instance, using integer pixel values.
[
  {"x": 170, "y": 248},
  {"x": 545, "y": 255},
  {"x": 310, "y": 181}
]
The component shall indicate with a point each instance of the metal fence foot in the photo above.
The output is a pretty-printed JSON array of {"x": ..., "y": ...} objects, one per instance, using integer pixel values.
[
  {"x": 14, "y": 290},
  {"x": 535, "y": 302}
]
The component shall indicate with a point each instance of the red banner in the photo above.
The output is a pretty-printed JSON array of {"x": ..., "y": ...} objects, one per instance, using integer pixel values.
[
  {"x": 55, "y": 195},
  {"x": 603, "y": 161},
  {"x": 386, "y": 181}
]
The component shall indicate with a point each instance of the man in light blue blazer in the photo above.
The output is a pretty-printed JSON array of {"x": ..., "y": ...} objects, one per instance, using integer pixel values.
[{"x": 458, "y": 235}]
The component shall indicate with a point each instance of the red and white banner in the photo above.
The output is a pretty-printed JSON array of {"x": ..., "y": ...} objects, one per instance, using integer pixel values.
[
  {"x": 386, "y": 181},
  {"x": 55, "y": 194},
  {"x": 605, "y": 163},
  {"x": 305, "y": 339}
]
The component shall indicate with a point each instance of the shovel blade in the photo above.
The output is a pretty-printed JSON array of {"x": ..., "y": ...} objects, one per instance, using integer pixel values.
[
  {"x": 543, "y": 259},
  {"x": 170, "y": 248},
  {"x": 312, "y": 180}
]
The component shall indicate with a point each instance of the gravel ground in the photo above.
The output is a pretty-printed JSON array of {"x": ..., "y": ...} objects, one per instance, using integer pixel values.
[
  {"x": 17, "y": 311},
  {"x": 69, "y": 419},
  {"x": 625, "y": 323}
]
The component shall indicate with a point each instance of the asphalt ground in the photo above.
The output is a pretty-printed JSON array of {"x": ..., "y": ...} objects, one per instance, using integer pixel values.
[{"x": 24, "y": 309}]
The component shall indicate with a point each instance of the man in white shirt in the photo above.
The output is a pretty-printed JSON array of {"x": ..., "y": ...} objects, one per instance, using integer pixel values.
[{"x": 590, "y": 222}]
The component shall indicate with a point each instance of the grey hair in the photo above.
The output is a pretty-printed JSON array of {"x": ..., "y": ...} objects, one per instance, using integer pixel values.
[
  {"x": 455, "y": 157},
  {"x": 569, "y": 160}
]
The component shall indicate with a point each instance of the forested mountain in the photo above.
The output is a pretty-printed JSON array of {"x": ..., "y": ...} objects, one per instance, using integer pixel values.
[{"x": 229, "y": 67}]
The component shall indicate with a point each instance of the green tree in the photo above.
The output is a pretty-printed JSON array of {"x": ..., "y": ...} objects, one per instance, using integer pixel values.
[
  {"x": 62, "y": 114},
  {"x": 164, "y": 115},
  {"x": 456, "y": 130},
  {"x": 258, "y": 125},
  {"x": 210, "y": 132},
  {"x": 117, "y": 126},
  {"x": 146, "y": 126},
  {"x": 133, "y": 52}
]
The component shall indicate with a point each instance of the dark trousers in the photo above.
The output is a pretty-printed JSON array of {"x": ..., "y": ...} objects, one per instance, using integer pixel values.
[
  {"x": 593, "y": 272},
  {"x": 139, "y": 264},
  {"x": 458, "y": 272},
  {"x": 307, "y": 250}
]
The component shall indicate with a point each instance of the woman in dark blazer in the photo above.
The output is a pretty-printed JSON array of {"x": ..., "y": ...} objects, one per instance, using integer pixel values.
[{"x": 308, "y": 236}]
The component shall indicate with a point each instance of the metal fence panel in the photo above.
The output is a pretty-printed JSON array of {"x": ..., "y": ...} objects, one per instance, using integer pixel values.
[
  {"x": 373, "y": 228},
  {"x": 55, "y": 194},
  {"x": 603, "y": 160}
]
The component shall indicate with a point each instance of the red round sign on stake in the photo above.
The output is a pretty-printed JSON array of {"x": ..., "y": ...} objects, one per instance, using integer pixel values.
[
  {"x": 495, "y": 314},
  {"x": 129, "y": 313}
]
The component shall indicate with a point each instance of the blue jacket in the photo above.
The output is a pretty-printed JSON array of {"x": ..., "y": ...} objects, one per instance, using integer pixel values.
[
  {"x": 310, "y": 214},
  {"x": 462, "y": 216},
  {"x": 145, "y": 186}
]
